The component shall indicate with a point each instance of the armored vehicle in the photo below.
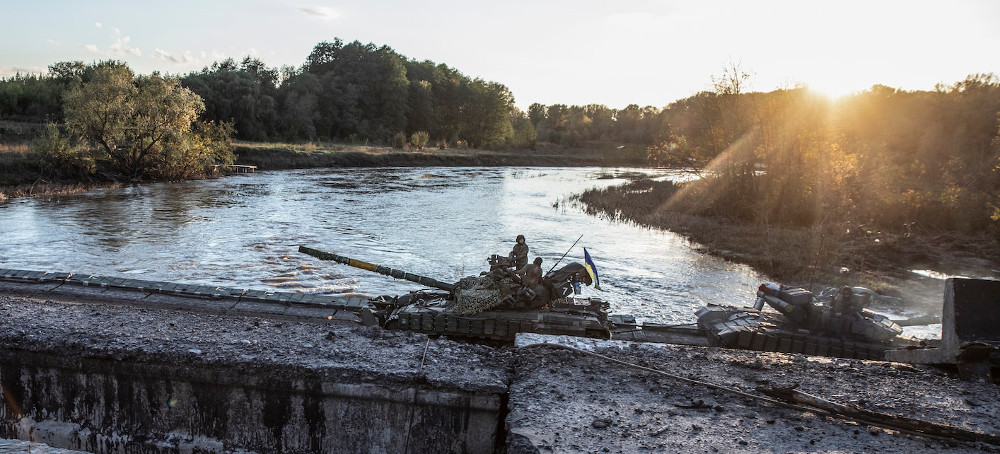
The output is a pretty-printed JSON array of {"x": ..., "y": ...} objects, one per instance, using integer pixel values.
[
  {"x": 836, "y": 324},
  {"x": 491, "y": 306}
]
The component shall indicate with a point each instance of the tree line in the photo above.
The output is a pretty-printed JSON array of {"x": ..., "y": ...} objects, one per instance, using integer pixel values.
[
  {"x": 358, "y": 93},
  {"x": 350, "y": 92}
]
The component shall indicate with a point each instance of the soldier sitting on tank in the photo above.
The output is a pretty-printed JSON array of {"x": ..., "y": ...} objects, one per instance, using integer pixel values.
[
  {"x": 519, "y": 255},
  {"x": 530, "y": 276}
]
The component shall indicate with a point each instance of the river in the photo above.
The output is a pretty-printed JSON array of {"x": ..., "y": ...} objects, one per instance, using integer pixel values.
[{"x": 244, "y": 231}]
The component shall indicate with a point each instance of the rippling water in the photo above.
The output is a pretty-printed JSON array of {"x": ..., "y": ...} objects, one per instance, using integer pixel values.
[{"x": 244, "y": 231}]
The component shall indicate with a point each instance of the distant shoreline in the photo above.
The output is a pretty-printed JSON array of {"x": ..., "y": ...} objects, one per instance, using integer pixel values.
[{"x": 269, "y": 156}]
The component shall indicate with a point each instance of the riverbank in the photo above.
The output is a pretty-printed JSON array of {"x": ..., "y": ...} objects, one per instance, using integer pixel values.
[
  {"x": 908, "y": 265},
  {"x": 273, "y": 156},
  {"x": 128, "y": 374}
]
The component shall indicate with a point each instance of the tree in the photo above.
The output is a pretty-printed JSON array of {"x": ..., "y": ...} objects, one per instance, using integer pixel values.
[
  {"x": 299, "y": 95},
  {"x": 487, "y": 115},
  {"x": 136, "y": 121},
  {"x": 243, "y": 94},
  {"x": 524, "y": 135}
]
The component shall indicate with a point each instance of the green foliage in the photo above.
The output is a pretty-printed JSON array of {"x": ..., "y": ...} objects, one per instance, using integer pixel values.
[
  {"x": 208, "y": 146},
  {"x": 364, "y": 90},
  {"x": 343, "y": 90},
  {"x": 58, "y": 159},
  {"x": 486, "y": 122},
  {"x": 243, "y": 94},
  {"x": 144, "y": 124},
  {"x": 30, "y": 98},
  {"x": 399, "y": 140},
  {"x": 419, "y": 139},
  {"x": 576, "y": 125},
  {"x": 524, "y": 135}
]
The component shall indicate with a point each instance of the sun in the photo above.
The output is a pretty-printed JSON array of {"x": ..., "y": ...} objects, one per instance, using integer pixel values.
[{"x": 832, "y": 88}]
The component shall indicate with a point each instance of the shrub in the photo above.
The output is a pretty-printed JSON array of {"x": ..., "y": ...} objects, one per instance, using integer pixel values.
[
  {"x": 419, "y": 139},
  {"x": 58, "y": 159},
  {"x": 399, "y": 140}
]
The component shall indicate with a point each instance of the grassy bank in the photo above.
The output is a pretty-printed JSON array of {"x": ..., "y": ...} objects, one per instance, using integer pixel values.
[
  {"x": 21, "y": 175},
  {"x": 819, "y": 256}
]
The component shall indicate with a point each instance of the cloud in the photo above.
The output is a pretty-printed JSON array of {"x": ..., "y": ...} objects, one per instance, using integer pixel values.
[
  {"x": 11, "y": 71},
  {"x": 215, "y": 54},
  {"x": 98, "y": 24},
  {"x": 182, "y": 59},
  {"x": 323, "y": 12},
  {"x": 119, "y": 47},
  {"x": 52, "y": 42}
]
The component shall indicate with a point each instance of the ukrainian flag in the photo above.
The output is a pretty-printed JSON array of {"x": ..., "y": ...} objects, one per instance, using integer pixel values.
[{"x": 591, "y": 269}]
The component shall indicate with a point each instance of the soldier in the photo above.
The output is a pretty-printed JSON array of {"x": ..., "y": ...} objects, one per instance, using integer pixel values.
[
  {"x": 530, "y": 277},
  {"x": 519, "y": 255}
]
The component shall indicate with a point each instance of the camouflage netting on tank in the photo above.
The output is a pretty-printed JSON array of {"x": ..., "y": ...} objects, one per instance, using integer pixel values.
[{"x": 475, "y": 294}]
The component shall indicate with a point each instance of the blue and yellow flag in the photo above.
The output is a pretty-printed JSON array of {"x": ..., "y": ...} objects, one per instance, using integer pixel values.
[{"x": 591, "y": 269}]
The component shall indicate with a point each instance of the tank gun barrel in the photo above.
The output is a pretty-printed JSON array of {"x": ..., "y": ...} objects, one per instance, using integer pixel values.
[{"x": 392, "y": 272}]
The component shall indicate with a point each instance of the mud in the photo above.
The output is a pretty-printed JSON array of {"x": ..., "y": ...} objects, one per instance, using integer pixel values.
[{"x": 570, "y": 401}]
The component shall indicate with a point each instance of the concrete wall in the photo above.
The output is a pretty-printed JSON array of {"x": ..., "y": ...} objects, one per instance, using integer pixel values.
[{"x": 108, "y": 406}]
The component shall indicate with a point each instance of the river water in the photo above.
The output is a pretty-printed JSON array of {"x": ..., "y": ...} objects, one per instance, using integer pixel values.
[{"x": 244, "y": 230}]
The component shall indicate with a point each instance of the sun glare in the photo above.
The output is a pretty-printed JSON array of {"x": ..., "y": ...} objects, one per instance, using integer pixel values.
[{"x": 832, "y": 89}]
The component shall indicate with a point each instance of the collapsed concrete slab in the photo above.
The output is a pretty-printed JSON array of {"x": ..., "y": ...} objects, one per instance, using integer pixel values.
[
  {"x": 119, "y": 378},
  {"x": 970, "y": 330}
]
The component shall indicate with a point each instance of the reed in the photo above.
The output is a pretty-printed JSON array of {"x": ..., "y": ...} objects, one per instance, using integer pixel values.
[{"x": 42, "y": 189}]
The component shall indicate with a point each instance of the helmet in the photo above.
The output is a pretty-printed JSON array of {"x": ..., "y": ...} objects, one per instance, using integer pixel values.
[{"x": 519, "y": 238}]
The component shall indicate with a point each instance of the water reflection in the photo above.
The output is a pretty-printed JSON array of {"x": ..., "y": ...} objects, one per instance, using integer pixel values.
[{"x": 244, "y": 231}]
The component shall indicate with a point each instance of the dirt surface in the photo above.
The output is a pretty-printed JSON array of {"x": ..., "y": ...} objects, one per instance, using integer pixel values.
[
  {"x": 86, "y": 325},
  {"x": 566, "y": 401}
]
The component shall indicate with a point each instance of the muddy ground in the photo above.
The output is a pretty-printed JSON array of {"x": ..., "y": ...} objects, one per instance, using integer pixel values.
[{"x": 621, "y": 398}]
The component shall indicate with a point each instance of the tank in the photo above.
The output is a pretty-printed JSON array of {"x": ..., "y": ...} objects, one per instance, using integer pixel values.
[
  {"x": 838, "y": 325},
  {"x": 488, "y": 307}
]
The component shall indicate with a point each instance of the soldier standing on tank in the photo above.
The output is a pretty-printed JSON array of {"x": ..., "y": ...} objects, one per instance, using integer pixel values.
[{"x": 519, "y": 255}]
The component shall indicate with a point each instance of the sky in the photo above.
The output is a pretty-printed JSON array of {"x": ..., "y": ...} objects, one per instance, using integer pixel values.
[{"x": 574, "y": 52}]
